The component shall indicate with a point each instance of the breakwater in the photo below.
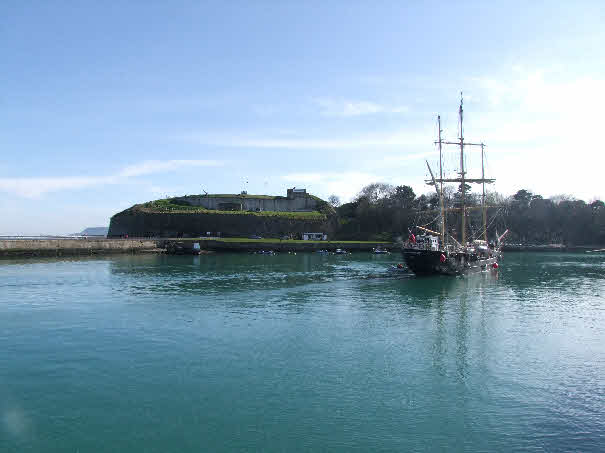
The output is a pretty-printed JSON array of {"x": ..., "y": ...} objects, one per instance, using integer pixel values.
[
  {"x": 75, "y": 247},
  {"x": 72, "y": 247}
]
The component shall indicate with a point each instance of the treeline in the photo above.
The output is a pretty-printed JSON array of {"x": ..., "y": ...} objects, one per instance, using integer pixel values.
[{"x": 386, "y": 212}]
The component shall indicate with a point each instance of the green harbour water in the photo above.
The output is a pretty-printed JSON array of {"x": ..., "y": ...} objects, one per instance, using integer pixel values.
[{"x": 237, "y": 352}]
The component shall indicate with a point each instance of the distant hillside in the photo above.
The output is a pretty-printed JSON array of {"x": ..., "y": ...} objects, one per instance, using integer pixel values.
[{"x": 94, "y": 231}]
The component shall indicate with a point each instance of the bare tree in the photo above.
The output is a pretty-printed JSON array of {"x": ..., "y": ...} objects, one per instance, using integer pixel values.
[
  {"x": 376, "y": 191},
  {"x": 334, "y": 201}
]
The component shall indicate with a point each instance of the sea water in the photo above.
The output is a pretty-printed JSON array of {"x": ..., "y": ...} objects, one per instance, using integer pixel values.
[{"x": 306, "y": 352}]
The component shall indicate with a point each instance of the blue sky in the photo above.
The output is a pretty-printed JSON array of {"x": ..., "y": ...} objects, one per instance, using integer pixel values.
[{"x": 107, "y": 104}]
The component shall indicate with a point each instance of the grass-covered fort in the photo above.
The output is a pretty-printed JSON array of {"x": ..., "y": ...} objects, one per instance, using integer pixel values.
[{"x": 228, "y": 214}]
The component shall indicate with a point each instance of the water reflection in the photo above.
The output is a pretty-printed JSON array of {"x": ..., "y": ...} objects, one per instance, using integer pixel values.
[{"x": 214, "y": 274}]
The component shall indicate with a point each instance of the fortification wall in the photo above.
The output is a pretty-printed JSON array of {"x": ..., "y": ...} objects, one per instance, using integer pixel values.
[
  {"x": 143, "y": 224},
  {"x": 300, "y": 203}
]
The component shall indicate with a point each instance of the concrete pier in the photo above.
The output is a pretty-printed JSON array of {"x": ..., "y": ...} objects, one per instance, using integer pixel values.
[{"x": 70, "y": 247}]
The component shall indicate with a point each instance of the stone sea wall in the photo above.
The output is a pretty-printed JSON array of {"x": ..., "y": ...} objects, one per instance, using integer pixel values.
[
  {"x": 26, "y": 248},
  {"x": 150, "y": 224},
  {"x": 69, "y": 247}
]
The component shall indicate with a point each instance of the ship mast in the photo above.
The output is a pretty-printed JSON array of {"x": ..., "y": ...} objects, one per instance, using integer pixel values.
[
  {"x": 461, "y": 179},
  {"x": 443, "y": 235},
  {"x": 483, "y": 208},
  {"x": 462, "y": 175}
]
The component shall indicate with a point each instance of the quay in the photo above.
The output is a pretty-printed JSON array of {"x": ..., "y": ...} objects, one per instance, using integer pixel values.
[{"x": 23, "y": 248}]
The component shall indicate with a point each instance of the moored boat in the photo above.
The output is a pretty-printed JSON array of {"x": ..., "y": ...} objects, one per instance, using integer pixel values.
[{"x": 380, "y": 251}]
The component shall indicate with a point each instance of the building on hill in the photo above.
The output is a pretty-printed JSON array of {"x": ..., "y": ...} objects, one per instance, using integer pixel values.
[
  {"x": 296, "y": 193},
  {"x": 296, "y": 200}
]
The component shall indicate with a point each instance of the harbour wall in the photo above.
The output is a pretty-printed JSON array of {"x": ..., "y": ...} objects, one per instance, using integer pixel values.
[
  {"x": 24, "y": 248},
  {"x": 73, "y": 247}
]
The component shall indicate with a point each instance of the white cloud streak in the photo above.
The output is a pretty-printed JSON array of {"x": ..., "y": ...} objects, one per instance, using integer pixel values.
[
  {"x": 35, "y": 187},
  {"x": 158, "y": 166},
  {"x": 386, "y": 140},
  {"x": 348, "y": 108}
]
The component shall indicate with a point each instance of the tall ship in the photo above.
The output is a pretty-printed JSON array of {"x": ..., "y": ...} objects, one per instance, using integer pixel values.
[{"x": 431, "y": 252}]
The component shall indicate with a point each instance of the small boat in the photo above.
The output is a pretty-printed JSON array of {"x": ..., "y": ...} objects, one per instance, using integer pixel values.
[
  {"x": 340, "y": 252},
  {"x": 380, "y": 251},
  {"x": 397, "y": 269},
  {"x": 264, "y": 252}
]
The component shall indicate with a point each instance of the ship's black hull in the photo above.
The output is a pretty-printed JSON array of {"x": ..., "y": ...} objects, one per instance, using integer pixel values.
[{"x": 431, "y": 262}]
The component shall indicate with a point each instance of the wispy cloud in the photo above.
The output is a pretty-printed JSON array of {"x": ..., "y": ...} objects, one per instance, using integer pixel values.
[
  {"x": 35, "y": 187},
  {"x": 386, "y": 161},
  {"x": 158, "y": 166},
  {"x": 332, "y": 107},
  {"x": 543, "y": 92},
  {"x": 384, "y": 140}
]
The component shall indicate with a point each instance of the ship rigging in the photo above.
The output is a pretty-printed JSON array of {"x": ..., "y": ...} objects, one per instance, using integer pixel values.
[{"x": 431, "y": 252}]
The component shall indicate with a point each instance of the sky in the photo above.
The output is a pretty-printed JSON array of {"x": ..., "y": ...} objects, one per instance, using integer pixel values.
[{"x": 108, "y": 104}]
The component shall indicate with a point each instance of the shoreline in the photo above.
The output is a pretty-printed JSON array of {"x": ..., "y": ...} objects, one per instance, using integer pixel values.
[
  {"x": 26, "y": 248},
  {"x": 32, "y": 248},
  {"x": 552, "y": 248}
]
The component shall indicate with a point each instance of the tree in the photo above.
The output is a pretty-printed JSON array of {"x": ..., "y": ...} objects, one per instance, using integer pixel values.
[
  {"x": 376, "y": 191},
  {"x": 468, "y": 197},
  {"x": 347, "y": 209},
  {"x": 334, "y": 201},
  {"x": 422, "y": 203},
  {"x": 596, "y": 205},
  {"x": 403, "y": 196},
  {"x": 434, "y": 201},
  {"x": 529, "y": 217},
  {"x": 557, "y": 199},
  {"x": 467, "y": 188},
  {"x": 523, "y": 198},
  {"x": 494, "y": 198}
]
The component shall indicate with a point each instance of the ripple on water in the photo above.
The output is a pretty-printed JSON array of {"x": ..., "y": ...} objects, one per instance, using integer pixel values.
[{"x": 302, "y": 352}]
